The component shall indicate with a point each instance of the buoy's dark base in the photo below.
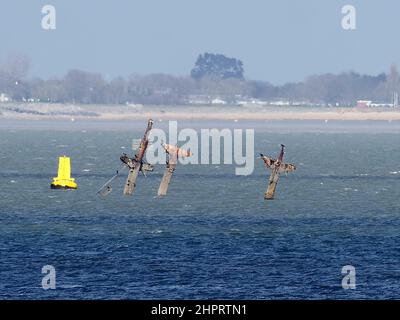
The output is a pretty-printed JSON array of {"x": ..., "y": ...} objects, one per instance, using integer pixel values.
[{"x": 52, "y": 186}]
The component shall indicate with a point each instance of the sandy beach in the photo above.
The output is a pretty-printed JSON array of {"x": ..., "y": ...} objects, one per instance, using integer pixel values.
[{"x": 139, "y": 112}]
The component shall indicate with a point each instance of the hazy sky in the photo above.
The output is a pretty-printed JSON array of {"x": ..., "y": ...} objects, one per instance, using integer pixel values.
[{"x": 277, "y": 40}]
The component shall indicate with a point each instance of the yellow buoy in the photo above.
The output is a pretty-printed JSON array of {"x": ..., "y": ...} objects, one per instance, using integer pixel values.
[{"x": 64, "y": 180}]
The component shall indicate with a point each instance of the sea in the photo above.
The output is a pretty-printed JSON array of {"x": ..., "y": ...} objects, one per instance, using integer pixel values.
[{"x": 213, "y": 236}]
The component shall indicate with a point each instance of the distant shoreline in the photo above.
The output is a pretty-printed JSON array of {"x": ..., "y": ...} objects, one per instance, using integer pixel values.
[
  {"x": 261, "y": 119},
  {"x": 48, "y": 112}
]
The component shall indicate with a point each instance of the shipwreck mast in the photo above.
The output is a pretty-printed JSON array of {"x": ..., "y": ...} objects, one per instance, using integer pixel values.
[
  {"x": 137, "y": 161},
  {"x": 173, "y": 153}
]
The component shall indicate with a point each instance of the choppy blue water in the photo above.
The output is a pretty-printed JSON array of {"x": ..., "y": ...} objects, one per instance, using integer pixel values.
[{"x": 213, "y": 237}]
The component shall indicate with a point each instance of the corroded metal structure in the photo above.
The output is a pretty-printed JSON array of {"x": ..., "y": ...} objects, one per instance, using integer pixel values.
[
  {"x": 134, "y": 165},
  {"x": 277, "y": 166},
  {"x": 173, "y": 153}
]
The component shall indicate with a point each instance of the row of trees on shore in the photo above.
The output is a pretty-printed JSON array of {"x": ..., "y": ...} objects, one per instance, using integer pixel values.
[{"x": 213, "y": 76}]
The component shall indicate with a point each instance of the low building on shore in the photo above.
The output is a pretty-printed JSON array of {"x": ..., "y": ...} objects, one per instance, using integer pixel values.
[
  {"x": 5, "y": 97},
  {"x": 362, "y": 104}
]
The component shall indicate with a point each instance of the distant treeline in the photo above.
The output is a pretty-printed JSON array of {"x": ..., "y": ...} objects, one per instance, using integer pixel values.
[{"x": 213, "y": 76}]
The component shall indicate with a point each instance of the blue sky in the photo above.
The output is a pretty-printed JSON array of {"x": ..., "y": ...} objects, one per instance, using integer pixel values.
[{"x": 277, "y": 40}]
